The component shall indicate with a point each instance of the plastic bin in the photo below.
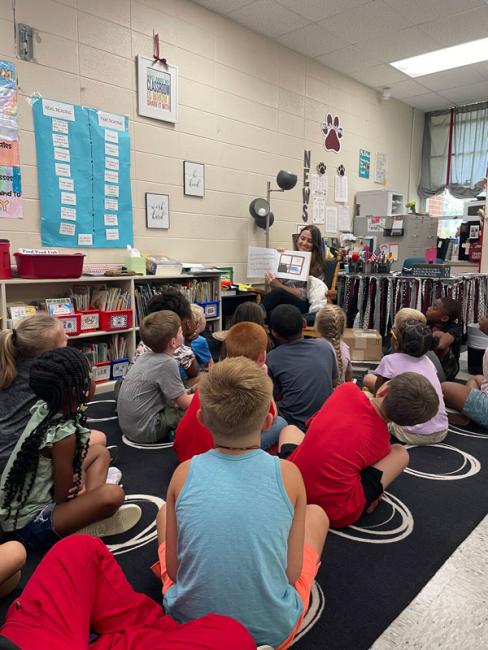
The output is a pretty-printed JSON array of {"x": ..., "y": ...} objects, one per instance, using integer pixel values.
[
  {"x": 211, "y": 308},
  {"x": 71, "y": 323},
  {"x": 477, "y": 344},
  {"x": 49, "y": 266},
  {"x": 89, "y": 320},
  {"x": 116, "y": 320},
  {"x": 119, "y": 368},
  {"x": 101, "y": 372},
  {"x": 5, "y": 268}
]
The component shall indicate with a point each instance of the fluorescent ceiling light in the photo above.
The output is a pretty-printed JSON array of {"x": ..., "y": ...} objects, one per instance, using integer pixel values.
[{"x": 445, "y": 59}]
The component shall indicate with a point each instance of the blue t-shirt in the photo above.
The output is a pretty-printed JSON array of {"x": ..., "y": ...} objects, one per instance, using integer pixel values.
[
  {"x": 201, "y": 350},
  {"x": 302, "y": 372},
  {"x": 233, "y": 545}
]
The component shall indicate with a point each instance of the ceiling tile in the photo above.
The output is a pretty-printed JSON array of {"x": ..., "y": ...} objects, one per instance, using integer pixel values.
[
  {"x": 316, "y": 10},
  {"x": 347, "y": 59},
  {"x": 399, "y": 44},
  {"x": 408, "y": 88},
  {"x": 312, "y": 40},
  {"x": 459, "y": 28},
  {"x": 428, "y": 102},
  {"x": 373, "y": 20},
  {"x": 421, "y": 11},
  {"x": 482, "y": 68},
  {"x": 465, "y": 76},
  {"x": 379, "y": 75},
  {"x": 268, "y": 17},
  {"x": 468, "y": 94},
  {"x": 223, "y": 6}
]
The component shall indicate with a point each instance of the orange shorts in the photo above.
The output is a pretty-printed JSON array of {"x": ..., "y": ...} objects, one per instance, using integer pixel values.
[{"x": 311, "y": 564}]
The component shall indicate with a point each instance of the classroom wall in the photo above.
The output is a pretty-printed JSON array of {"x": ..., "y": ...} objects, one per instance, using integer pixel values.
[{"x": 248, "y": 107}]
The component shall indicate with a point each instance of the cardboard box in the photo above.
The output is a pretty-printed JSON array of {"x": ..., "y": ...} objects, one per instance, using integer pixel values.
[{"x": 365, "y": 345}]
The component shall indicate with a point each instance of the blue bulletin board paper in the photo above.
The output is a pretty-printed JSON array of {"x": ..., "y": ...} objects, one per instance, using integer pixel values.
[{"x": 74, "y": 187}]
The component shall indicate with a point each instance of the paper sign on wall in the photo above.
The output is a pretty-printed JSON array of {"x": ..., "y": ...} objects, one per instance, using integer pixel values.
[{"x": 10, "y": 175}]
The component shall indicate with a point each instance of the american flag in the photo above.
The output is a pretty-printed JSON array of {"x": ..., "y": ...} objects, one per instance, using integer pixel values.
[{"x": 374, "y": 255}]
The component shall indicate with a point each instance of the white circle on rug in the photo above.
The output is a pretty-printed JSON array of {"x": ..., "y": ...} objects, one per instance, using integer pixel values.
[
  {"x": 144, "y": 536},
  {"x": 469, "y": 467},
  {"x": 374, "y": 534},
  {"x": 314, "y": 612},
  {"x": 102, "y": 401},
  {"x": 142, "y": 445},
  {"x": 469, "y": 434}
]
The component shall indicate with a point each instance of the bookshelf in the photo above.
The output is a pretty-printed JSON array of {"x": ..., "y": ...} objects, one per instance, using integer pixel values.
[{"x": 27, "y": 291}]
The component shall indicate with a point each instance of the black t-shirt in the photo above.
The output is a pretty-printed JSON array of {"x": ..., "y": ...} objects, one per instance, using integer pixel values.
[{"x": 450, "y": 360}]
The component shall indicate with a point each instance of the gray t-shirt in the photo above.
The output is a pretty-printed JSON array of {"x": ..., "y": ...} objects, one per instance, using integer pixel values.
[
  {"x": 16, "y": 402},
  {"x": 302, "y": 372},
  {"x": 150, "y": 384}
]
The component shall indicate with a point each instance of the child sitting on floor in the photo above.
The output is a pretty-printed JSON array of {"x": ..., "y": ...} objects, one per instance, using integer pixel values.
[
  {"x": 54, "y": 483},
  {"x": 19, "y": 347},
  {"x": 12, "y": 559},
  {"x": 192, "y": 437},
  {"x": 470, "y": 399},
  {"x": 171, "y": 299},
  {"x": 199, "y": 344},
  {"x": 443, "y": 317},
  {"x": 232, "y": 536},
  {"x": 144, "y": 404},
  {"x": 304, "y": 371},
  {"x": 411, "y": 341},
  {"x": 345, "y": 458},
  {"x": 330, "y": 323}
]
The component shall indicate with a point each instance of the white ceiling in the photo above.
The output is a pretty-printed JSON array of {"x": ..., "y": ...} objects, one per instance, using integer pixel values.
[{"x": 360, "y": 37}]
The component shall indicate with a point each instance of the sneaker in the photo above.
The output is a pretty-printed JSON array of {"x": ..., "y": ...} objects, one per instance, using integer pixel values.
[
  {"x": 114, "y": 453},
  {"x": 114, "y": 476},
  {"x": 121, "y": 521}
]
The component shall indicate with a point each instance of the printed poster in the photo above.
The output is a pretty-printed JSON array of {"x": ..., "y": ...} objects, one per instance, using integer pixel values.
[
  {"x": 380, "y": 170},
  {"x": 83, "y": 164},
  {"x": 364, "y": 163},
  {"x": 10, "y": 175}
]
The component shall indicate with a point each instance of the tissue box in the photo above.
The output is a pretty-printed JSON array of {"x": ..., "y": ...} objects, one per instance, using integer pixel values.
[
  {"x": 136, "y": 264},
  {"x": 365, "y": 345}
]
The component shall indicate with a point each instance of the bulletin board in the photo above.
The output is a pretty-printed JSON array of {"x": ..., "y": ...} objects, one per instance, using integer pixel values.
[{"x": 83, "y": 166}]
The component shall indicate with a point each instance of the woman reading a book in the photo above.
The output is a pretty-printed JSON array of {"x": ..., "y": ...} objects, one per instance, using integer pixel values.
[{"x": 294, "y": 292}]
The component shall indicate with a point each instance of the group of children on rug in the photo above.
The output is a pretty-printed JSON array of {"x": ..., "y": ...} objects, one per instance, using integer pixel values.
[{"x": 238, "y": 521}]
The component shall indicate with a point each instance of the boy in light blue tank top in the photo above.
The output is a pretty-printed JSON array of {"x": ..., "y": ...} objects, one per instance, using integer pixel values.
[{"x": 236, "y": 536}]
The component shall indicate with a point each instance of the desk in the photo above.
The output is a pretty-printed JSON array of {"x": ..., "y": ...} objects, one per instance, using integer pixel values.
[{"x": 371, "y": 301}]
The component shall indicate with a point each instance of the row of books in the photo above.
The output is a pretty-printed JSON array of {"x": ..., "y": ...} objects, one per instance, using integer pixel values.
[
  {"x": 193, "y": 290},
  {"x": 101, "y": 297},
  {"x": 99, "y": 352}
]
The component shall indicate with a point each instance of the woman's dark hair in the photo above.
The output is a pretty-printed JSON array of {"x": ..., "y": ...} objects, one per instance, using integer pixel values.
[
  {"x": 61, "y": 378},
  {"x": 317, "y": 264},
  {"x": 248, "y": 312},
  {"x": 414, "y": 338},
  {"x": 170, "y": 299}
]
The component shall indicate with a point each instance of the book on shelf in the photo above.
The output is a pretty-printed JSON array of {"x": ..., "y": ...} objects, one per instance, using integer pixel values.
[
  {"x": 59, "y": 306},
  {"x": 109, "y": 299},
  {"x": 18, "y": 311}
]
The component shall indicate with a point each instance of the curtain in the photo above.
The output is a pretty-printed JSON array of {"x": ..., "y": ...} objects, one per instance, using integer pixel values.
[{"x": 455, "y": 151}]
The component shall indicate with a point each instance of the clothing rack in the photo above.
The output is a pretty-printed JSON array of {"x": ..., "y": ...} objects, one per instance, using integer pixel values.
[{"x": 371, "y": 301}]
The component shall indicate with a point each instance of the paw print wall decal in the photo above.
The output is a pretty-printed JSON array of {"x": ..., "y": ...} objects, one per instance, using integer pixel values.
[{"x": 333, "y": 132}]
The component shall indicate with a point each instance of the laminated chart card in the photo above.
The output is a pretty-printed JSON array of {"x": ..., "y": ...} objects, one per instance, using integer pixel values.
[{"x": 83, "y": 161}]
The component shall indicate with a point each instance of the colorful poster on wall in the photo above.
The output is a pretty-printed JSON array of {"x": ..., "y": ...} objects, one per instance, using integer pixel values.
[
  {"x": 364, "y": 163},
  {"x": 83, "y": 163},
  {"x": 10, "y": 176}
]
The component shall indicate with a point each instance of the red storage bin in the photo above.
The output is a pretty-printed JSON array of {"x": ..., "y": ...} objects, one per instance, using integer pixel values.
[
  {"x": 71, "y": 323},
  {"x": 5, "y": 269},
  {"x": 49, "y": 266},
  {"x": 116, "y": 320},
  {"x": 89, "y": 320},
  {"x": 101, "y": 372}
]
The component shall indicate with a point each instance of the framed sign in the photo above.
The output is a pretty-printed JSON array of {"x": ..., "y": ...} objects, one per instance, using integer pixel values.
[
  {"x": 193, "y": 178},
  {"x": 157, "y": 89},
  {"x": 157, "y": 210}
]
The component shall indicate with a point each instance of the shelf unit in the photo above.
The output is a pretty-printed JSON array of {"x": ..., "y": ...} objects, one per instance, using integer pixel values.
[{"x": 23, "y": 290}]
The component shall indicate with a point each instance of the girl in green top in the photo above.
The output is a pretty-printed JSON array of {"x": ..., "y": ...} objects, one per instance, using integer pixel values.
[{"x": 54, "y": 483}]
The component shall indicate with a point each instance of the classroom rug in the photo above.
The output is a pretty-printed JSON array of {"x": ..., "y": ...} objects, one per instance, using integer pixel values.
[{"x": 370, "y": 572}]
